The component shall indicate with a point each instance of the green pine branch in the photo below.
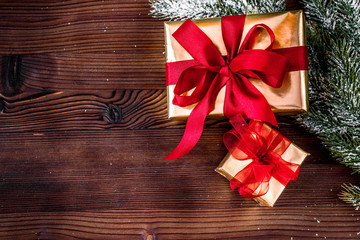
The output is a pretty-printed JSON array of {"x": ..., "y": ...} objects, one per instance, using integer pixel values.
[
  {"x": 334, "y": 75},
  {"x": 351, "y": 194},
  {"x": 334, "y": 42},
  {"x": 192, "y": 9}
]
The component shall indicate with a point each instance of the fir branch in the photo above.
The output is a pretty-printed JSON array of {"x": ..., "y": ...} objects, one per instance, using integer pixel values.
[
  {"x": 334, "y": 76},
  {"x": 339, "y": 19},
  {"x": 351, "y": 194},
  {"x": 192, "y": 9},
  {"x": 180, "y": 10}
]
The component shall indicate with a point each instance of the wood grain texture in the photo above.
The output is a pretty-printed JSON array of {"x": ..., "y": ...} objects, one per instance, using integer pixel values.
[
  {"x": 83, "y": 133},
  {"x": 43, "y": 26},
  {"x": 43, "y": 111},
  {"x": 237, "y": 223},
  {"x": 97, "y": 71}
]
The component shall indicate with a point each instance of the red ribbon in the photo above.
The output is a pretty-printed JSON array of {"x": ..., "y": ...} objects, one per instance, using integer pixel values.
[
  {"x": 265, "y": 146},
  {"x": 209, "y": 72}
]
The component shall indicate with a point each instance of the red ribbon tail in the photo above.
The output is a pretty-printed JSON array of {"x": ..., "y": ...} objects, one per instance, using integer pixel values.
[
  {"x": 193, "y": 131},
  {"x": 196, "y": 120}
]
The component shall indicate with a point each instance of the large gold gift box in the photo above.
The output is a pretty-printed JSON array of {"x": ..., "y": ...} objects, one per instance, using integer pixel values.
[
  {"x": 288, "y": 27},
  {"x": 230, "y": 166}
]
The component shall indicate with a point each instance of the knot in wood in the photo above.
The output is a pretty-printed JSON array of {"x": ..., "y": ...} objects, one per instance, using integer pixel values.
[{"x": 113, "y": 114}]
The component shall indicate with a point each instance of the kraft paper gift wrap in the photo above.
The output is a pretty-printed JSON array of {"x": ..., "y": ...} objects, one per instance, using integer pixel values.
[{"x": 288, "y": 27}]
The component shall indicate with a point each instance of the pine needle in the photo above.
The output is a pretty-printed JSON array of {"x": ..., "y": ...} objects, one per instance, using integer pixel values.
[{"x": 351, "y": 195}]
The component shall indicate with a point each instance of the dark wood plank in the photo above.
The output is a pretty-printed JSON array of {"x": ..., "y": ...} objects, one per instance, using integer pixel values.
[
  {"x": 45, "y": 111},
  {"x": 97, "y": 71},
  {"x": 237, "y": 223},
  {"x": 293, "y": 5},
  {"x": 78, "y": 26},
  {"x": 80, "y": 170}
]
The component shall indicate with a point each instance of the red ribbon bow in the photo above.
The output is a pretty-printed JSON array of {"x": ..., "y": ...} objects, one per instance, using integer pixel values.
[
  {"x": 209, "y": 72},
  {"x": 265, "y": 146}
]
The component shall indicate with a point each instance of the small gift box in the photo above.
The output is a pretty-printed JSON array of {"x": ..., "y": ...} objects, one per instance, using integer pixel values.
[
  {"x": 288, "y": 29},
  {"x": 261, "y": 162}
]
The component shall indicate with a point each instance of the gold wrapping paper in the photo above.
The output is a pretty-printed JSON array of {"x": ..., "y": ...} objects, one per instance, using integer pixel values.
[
  {"x": 230, "y": 166},
  {"x": 288, "y": 27}
]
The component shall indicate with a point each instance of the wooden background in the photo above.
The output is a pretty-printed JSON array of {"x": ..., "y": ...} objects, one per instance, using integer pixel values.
[{"x": 83, "y": 130}]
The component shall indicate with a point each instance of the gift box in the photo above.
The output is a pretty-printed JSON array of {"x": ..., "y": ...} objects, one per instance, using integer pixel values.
[
  {"x": 230, "y": 167},
  {"x": 288, "y": 28}
]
